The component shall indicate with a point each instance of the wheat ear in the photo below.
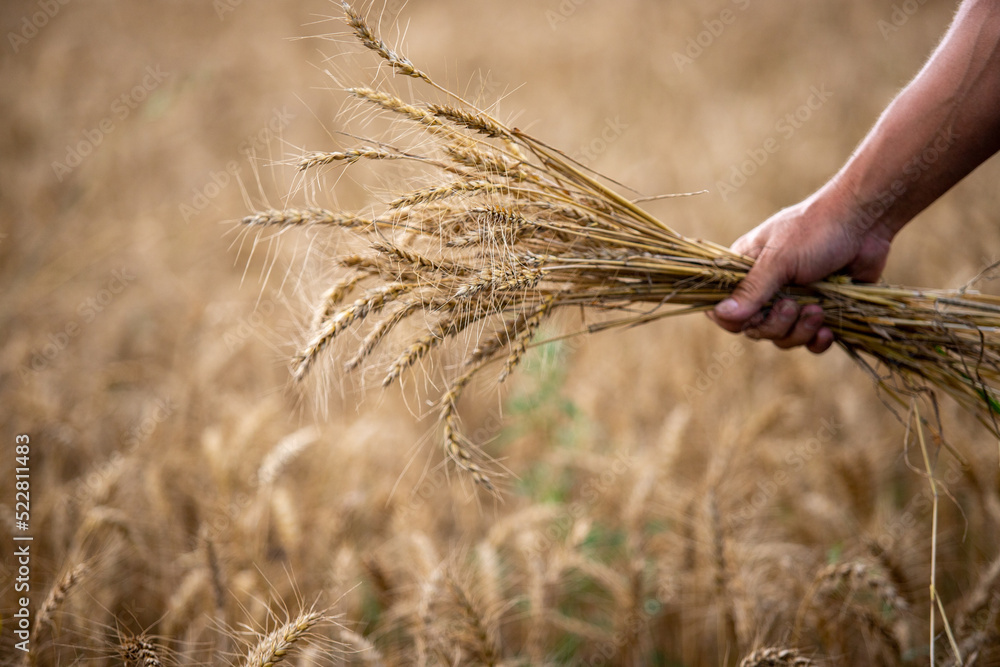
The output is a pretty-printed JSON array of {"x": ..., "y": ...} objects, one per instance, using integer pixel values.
[{"x": 275, "y": 646}]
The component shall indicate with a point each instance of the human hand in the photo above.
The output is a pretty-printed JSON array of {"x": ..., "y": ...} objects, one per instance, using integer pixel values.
[{"x": 799, "y": 245}]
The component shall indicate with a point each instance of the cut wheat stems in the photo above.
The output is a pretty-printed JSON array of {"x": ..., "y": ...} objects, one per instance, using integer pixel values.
[{"x": 511, "y": 231}]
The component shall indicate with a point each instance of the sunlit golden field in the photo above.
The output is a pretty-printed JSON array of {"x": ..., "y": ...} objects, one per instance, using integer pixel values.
[{"x": 676, "y": 495}]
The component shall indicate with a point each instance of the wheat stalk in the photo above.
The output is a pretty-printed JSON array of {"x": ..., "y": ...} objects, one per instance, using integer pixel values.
[
  {"x": 511, "y": 231},
  {"x": 52, "y": 602},
  {"x": 70, "y": 578}
]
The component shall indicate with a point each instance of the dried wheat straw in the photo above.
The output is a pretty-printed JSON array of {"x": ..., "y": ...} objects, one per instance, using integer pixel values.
[{"x": 513, "y": 231}]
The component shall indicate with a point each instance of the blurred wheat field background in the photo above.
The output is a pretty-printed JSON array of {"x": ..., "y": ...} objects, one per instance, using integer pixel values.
[{"x": 679, "y": 496}]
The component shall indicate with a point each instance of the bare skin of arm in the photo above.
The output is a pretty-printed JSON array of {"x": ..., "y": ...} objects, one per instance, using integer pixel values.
[{"x": 943, "y": 125}]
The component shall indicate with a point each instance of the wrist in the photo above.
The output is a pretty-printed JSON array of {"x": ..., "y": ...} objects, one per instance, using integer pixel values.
[{"x": 860, "y": 213}]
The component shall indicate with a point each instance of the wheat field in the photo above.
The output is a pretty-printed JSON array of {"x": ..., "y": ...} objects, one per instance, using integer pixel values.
[{"x": 674, "y": 495}]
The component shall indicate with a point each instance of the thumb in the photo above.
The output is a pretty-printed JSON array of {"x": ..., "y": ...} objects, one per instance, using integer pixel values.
[{"x": 761, "y": 283}]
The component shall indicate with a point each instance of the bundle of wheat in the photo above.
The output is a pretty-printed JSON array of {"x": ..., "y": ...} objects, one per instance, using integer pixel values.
[{"x": 512, "y": 230}]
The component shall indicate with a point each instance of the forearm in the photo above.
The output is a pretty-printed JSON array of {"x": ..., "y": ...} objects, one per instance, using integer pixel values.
[{"x": 943, "y": 125}]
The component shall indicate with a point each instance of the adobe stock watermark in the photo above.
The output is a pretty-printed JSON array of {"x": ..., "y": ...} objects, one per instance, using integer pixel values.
[
  {"x": 591, "y": 493},
  {"x": 121, "y": 108},
  {"x": 721, "y": 363},
  {"x": 919, "y": 506},
  {"x": 635, "y": 622},
  {"x": 556, "y": 17},
  {"x": 491, "y": 425},
  {"x": 159, "y": 411},
  {"x": 988, "y": 272},
  {"x": 612, "y": 131},
  {"x": 34, "y": 23},
  {"x": 390, "y": 10},
  {"x": 202, "y": 196},
  {"x": 784, "y": 129},
  {"x": 913, "y": 171},
  {"x": 224, "y": 8},
  {"x": 714, "y": 28},
  {"x": 162, "y": 409},
  {"x": 768, "y": 488},
  {"x": 88, "y": 486},
  {"x": 985, "y": 618},
  {"x": 87, "y": 311},
  {"x": 248, "y": 326},
  {"x": 439, "y": 478},
  {"x": 218, "y": 180},
  {"x": 900, "y": 16},
  {"x": 488, "y": 90},
  {"x": 258, "y": 483}
]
